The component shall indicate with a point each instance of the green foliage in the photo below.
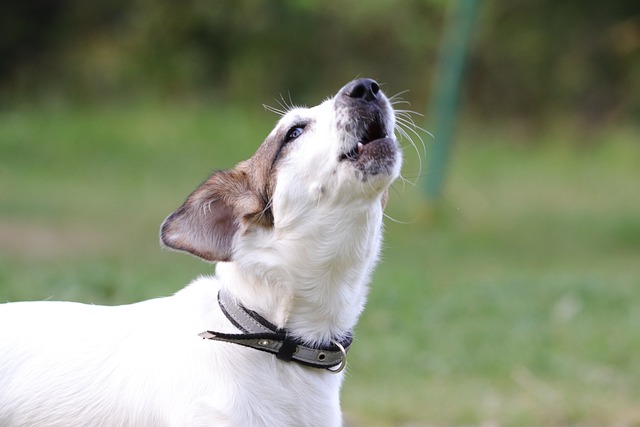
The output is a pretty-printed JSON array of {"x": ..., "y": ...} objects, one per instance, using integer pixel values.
[
  {"x": 528, "y": 59},
  {"x": 228, "y": 48}
]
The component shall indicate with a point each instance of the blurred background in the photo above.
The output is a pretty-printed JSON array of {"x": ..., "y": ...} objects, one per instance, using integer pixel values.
[{"x": 508, "y": 297}]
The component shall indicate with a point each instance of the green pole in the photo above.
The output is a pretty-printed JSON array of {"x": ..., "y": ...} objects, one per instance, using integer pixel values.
[{"x": 446, "y": 91}]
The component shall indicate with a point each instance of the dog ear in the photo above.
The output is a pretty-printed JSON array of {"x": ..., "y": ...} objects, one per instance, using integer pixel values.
[{"x": 207, "y": 223}]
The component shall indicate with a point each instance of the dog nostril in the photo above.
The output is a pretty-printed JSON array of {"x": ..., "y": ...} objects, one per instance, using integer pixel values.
[
  {"x": 366, "y": 89},
  {"x": 375, "y": 88}
]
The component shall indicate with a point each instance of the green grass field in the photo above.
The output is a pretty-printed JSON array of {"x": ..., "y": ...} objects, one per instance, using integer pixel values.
[{"x": 516, "y": 302}]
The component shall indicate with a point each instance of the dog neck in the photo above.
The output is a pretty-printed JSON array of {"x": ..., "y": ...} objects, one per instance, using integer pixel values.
[{"x": 311, "y": 279}]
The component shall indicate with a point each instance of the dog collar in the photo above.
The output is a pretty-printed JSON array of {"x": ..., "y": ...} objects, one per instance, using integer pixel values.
[{"x": 260, "y": 334}]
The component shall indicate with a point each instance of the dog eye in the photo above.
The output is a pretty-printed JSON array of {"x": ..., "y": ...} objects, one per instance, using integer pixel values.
[{"x": 294, "y": 133}]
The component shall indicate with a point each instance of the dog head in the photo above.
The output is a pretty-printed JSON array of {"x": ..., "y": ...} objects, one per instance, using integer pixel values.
[{"x": 338, "y": 157}]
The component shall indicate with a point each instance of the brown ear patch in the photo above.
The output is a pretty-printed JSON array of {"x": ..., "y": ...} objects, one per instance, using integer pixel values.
[
  {"x": 206, "y": 231},
  {"x": 207, "y": 223}
]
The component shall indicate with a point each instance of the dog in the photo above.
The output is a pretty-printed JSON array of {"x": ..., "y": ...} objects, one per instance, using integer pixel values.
[{"x": 295, "y": 232}]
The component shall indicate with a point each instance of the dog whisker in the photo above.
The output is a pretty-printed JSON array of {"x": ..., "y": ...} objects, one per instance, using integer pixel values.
[
  {"x": 403, "y": 127},
  {"x": 275, "y": 110},
  {"x": 398, "y": 97},
  {"x": 397, "y": 221},
  {"x": 399, "y": 102},
  {"x": 284, "y": 106}
]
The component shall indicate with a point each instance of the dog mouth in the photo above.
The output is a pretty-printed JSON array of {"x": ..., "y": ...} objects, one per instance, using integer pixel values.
[{"x": 369, "y": 144}]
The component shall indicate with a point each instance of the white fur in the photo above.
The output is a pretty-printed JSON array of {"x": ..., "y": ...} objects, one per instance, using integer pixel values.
[{"x": 69, "y": 364}]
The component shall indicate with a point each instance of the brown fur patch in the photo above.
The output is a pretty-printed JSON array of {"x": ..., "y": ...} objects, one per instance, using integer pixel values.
[{"x": 228, "y": 202}]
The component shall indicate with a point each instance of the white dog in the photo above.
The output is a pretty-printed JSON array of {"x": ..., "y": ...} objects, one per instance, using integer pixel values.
[{"x": 296, "y": 231}]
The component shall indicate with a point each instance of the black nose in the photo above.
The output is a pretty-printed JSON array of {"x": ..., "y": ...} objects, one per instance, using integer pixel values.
[{"x": 366, "y": 89}]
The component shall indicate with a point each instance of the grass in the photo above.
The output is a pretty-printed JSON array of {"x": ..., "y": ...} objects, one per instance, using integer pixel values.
[{"x": 518, "y": 305}]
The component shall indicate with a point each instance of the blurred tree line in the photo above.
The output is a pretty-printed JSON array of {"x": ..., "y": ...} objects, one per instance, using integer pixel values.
[{"x": 529, "y": 59}]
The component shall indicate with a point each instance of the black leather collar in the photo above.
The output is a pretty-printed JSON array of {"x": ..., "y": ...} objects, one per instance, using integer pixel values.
[{"x": 260, "y": 334}]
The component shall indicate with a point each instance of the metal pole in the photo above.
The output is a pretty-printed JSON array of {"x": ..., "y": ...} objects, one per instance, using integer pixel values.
[{"x": 446, "y": 91}]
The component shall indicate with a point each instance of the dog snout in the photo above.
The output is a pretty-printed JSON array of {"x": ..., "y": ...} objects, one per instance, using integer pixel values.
[{"x": 365, "y": 89}]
